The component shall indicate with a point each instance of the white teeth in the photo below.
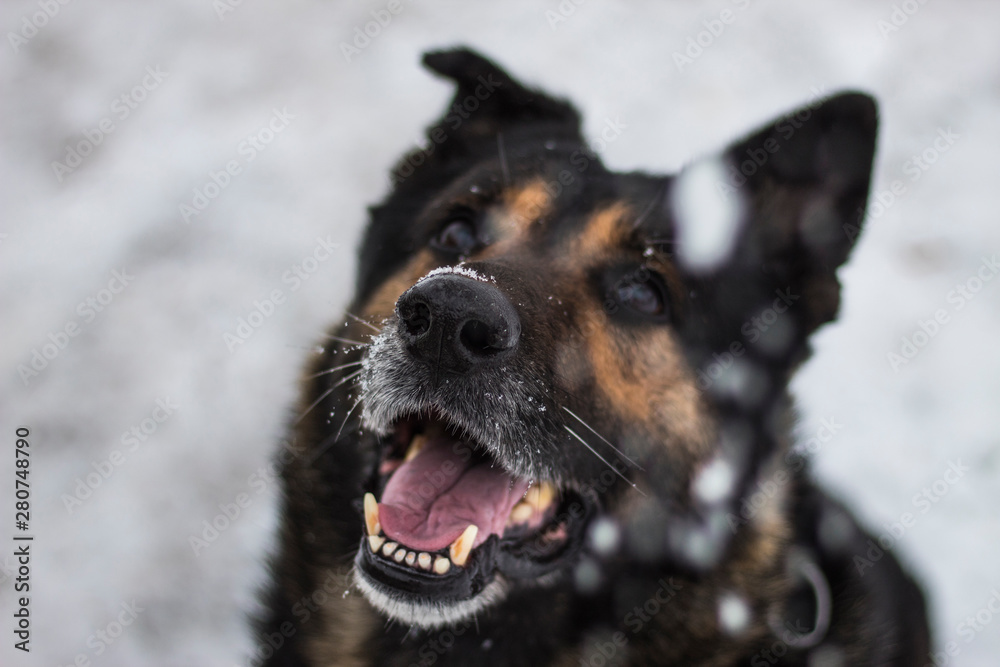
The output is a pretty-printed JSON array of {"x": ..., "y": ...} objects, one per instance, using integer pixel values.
[
  {"x": 371, "y": 515},
  {"x": 416, "y": 445},
  {"x": 423, "y": 560},
  {"x": 460, "y": 548}
]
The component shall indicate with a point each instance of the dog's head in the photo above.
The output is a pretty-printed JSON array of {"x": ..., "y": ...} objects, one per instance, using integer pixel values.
[{"x": 563, "y": 364}]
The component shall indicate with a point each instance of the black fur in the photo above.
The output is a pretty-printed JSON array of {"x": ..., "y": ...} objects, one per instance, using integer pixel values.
[{"x": 803, "y": 189}]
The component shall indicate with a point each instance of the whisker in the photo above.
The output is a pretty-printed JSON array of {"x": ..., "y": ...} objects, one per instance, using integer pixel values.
[
  {"x": 314, "y": 404},
  {"x": 503, "y": 160},
  {"x": 603, "y": 439},
  {"x": 348, "y": 377},
  {"x": 329, "y": 442},
  {"x": 346, "y": 340},
  {"x": 334, "y": 369},
  {"x": 594, "y": 452},
  {"x": 344, "y": 423},
  {"x": 364, "y": 322},
  {"x": 328, "y": 392}
]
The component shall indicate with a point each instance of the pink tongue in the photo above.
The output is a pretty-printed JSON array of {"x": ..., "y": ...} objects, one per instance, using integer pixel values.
[{"x": 431, "y": 500}]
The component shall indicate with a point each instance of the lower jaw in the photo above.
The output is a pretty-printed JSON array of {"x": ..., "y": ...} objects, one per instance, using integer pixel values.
[
  {"x": 425, "y": 613},
  {"x": 429, "y": 600}
]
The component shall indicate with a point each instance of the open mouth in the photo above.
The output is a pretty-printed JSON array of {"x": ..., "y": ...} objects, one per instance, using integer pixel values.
[{"x": 443, "y": 519}]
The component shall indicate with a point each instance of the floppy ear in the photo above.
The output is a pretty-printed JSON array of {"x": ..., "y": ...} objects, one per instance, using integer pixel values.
[
  {"x": 488, "y": 104},
  {"x": 792, "y": 198}
]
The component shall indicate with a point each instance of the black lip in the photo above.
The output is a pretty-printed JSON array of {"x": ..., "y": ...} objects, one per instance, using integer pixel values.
[
  {"x": 514, "y": 558},
  {"x": 459, "y": 583}
]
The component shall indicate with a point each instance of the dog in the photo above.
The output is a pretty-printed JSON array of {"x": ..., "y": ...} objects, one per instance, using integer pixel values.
[{"x": 553, "y": 428}]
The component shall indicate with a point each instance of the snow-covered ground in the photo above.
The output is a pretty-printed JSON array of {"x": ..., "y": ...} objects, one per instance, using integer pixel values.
[{"x": 169, "y": 95}]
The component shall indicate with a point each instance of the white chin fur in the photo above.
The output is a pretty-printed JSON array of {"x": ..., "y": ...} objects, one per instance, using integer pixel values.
[{"x": 427, "y": 615}]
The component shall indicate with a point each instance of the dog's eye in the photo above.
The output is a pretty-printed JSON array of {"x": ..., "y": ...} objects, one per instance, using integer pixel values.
[
  {"x": 642, "y": 297},
  {"x": 458, "y": 235},
  {"x": 640, "y": 292}
]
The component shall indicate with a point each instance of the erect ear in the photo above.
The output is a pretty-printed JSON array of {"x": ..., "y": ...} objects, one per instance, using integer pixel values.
[
  {"x": 488, "y": 102},
  {"x": 789, "y": 201},
  {"x": 759, "y": 233}
]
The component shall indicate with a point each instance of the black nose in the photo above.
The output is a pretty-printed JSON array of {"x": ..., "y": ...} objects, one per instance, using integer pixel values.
[{"x": 456, "y": 323}]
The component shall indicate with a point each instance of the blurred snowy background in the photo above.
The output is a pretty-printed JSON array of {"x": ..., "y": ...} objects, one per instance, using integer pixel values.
[{"x": 157, "y": 99}]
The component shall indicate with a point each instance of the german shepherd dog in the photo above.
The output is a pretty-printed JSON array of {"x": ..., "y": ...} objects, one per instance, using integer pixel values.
[{"x": 554, "y": 427}]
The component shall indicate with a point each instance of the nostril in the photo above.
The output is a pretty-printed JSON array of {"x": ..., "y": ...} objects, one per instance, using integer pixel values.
[
  {"x": 481, "y": 338},
  {"x": 477, "y": 336},
  {"x": 416, "y": 318}
]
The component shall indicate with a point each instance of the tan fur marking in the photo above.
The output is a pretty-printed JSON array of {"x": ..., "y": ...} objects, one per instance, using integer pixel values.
[
  {"x": 645, "y": 381},
  {"x": 523, "y": 207},
  {"x": 606, "y": 230}
]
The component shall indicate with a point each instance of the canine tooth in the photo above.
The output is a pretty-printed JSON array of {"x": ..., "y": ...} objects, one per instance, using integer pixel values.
[
  {"x": 424, "y": 560},
  {"x": 442, "y": 565},
  {"x": 460, "y": 548},
  {"x": 399, "y": 555},
  {"x": 416, "y": 445},
  {"x": 410, "y": 557},
  {"x": 389, "y": 548},
  {"x": 371, "y": 515},
  {"x": 375, "y": 542}
]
